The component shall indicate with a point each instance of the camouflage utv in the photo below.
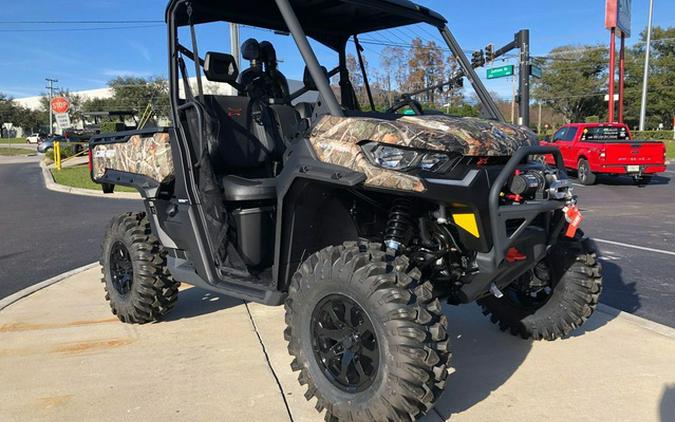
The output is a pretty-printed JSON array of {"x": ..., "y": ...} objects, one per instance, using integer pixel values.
[{"x": 359, "y": 222}]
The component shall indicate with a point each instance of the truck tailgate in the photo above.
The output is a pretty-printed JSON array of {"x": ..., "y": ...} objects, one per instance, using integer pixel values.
[{"x": 634, "y": 153}]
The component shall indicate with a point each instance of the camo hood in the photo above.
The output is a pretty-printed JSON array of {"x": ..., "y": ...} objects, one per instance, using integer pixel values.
[
  {"x": 460, "y": 135},
  {"x": 335, "y": 140}
]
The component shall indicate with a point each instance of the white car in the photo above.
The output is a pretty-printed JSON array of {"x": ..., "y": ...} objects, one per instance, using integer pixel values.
[{"x": 34, "y": 138}]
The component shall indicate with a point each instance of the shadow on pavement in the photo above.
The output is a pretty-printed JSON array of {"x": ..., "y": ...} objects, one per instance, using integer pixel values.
[
  {"x": 193, "y": 302},
  {"x": 616, "y": 292},
  {"x": 667, "y": 407},
  {"x": 483, "y": 359},
  {"x": 628, "y": 181}
]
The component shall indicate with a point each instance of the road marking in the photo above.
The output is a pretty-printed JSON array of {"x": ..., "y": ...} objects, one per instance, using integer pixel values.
[{"x": 642, "y": 248}]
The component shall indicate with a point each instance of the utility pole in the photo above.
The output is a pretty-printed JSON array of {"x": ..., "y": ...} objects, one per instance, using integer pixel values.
[
  {"x": 513, "y": 99},
  {"x": 51, "y": 83},
  {"x": 234, "y": 43},
  {"x": 612, "y": 74},
  {"x": 539, "y": 119},
  {"x": 643, "y": 106},
  {"x": 523, "y": 41}
]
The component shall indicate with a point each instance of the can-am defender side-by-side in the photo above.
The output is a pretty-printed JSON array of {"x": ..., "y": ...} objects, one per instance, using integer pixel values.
[{"x": 359, "y": 222}]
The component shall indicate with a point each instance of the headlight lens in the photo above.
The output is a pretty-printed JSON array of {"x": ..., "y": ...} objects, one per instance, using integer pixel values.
[{"x": 393, "y": 158}]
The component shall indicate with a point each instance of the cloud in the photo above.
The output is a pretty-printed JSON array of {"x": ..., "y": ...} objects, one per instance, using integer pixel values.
[{"x": 119, "y": 72}]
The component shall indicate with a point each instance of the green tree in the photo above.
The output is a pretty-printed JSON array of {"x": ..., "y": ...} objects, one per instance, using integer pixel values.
[
  {"x": 574, "y": 81},
  {"x": 134, "y": 94},
  {"x": 661, "y": 91}
]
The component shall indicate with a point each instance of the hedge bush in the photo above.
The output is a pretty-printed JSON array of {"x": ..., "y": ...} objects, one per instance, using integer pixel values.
[
  {"x": 111, "y": 127},
  {"x": 66, "y": 151},
  {"x": 653, "y": 134}
]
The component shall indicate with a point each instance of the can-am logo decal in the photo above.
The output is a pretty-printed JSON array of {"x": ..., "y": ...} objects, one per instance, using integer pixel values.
[{"x": 106, "y": 153}]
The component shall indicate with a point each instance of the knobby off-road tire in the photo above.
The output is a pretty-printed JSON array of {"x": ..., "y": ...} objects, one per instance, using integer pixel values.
[
  {"x": 407, "y": 324},
  {"x": 576, "y": 282},
  {"x": 137, "y": 283}
]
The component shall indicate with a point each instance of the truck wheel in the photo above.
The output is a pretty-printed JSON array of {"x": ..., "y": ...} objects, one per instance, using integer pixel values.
[
  {"x": 584, "y": 173},
  {"x": 366, "y": 334},
  {"x": 137, "y": 283},
  {"x": 553, "y": 299}
]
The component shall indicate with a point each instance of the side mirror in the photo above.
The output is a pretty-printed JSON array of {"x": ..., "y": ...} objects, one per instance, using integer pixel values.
[
  {"x": 220, "y": 67},
  {"x": 547, "y": 138}
]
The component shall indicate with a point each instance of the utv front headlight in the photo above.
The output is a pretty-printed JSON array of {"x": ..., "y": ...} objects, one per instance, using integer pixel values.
[{"x": 393, "y": 158}]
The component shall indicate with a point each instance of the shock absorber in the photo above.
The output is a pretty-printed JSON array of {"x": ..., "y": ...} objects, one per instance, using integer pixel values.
[{"x": 399, "y": 224}]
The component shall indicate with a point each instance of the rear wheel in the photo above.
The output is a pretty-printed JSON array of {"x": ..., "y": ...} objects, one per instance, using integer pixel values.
[
  {"x": 584, "y": 173},
  {"x": 137, "y": 283},
  {"x": 553, "y": 299},
  {"x": 366, "y": 334}
]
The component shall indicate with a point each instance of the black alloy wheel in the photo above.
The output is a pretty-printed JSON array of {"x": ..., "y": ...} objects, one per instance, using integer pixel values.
[
  {"x": 344, "y": 343},
  {"x": 121, "y": 268}
]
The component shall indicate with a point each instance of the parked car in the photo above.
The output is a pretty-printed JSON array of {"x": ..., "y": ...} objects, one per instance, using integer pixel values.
[
  {"x": 591, "y": 149},
  {"x": 48, "y": 143},
  {"x": 35, "y": 138}
]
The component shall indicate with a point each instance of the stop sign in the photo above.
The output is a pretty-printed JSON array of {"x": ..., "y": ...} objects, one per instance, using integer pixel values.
[{"x": 60, "y": 105}]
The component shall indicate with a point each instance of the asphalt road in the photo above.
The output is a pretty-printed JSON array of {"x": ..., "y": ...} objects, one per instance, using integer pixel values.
[
  {"x": 45, "y": 233},
  {"x": 634, "y": 228}
]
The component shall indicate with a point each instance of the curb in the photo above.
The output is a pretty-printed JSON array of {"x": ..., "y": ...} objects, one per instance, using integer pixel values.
[
  {"x": 39, "y": 286},
  {"x": 53, "y": 186},
  {"x": 664, "y": 330}
]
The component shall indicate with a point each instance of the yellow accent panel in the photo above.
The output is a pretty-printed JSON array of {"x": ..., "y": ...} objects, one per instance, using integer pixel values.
[{"x": 468, "y": 223}]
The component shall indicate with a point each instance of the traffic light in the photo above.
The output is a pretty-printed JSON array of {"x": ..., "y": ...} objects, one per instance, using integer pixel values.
[
  {"x": 490, "y": 53},
  {"x": 477, "y": 58}
]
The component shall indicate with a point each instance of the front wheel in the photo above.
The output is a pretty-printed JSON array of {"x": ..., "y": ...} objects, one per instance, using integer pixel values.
[
  {"x": 557, "y": 296},
  {"x": 584, "y": 173},
  {"x": 366, "y": 334}
]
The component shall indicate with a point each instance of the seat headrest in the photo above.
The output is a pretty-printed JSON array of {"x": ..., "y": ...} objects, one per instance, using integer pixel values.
[
  {"x": 267, "y": 52},
  {"x": 308, "y": 81},
  {"x": 250, "y": 49}
]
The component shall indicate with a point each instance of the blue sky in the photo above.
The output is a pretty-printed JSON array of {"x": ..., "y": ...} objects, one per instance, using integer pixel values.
[{"x": 88, "y": 59}]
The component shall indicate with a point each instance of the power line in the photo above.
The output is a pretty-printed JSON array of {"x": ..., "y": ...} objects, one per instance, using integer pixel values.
[
  {"x": 83, "y": 29},
  {"x": 85, "y": 22}
]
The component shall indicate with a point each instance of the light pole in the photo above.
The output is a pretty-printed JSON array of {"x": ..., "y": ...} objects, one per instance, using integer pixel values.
[
  {"x": 234, "y": 43},
  {"x": 643, "y": 106}
]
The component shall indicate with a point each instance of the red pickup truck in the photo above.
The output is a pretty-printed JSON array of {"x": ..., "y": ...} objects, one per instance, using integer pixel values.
[{"x": 607, "y": 148}]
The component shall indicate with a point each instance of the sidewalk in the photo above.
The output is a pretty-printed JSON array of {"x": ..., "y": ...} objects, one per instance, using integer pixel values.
[{"x": 64, "y": 356}]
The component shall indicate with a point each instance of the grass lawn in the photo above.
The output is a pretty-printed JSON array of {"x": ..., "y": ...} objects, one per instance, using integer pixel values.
[
  {"x": 78, "y": 177},
  {"x": 5, "y": 150},
  {"x": 670, "y": 149},
  {"x": 12, "y": 141}
]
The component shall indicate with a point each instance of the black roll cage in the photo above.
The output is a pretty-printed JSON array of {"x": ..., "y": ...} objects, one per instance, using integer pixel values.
[{"x": 296, "y": 30}]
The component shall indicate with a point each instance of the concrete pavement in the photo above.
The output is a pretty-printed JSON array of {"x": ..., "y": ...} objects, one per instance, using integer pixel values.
[{"x": 63, "y": 356}]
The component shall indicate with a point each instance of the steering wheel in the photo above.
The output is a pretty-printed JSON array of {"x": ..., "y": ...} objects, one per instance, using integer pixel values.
[{"x": 406, "y": 102}]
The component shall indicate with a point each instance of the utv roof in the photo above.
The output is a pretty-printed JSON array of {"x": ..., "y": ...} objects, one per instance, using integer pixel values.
[{"x": 330, "y": 22}]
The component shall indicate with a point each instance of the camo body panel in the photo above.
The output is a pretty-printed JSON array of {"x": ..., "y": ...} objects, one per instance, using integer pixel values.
[
  {"x": 148, "y": 156},
  {"x": 335, "y": 140}
]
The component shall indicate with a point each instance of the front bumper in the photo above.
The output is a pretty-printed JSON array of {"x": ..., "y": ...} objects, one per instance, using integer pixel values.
[{"x": 531, "y": 240}]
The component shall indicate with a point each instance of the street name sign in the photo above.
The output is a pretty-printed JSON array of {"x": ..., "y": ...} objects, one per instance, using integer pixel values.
[{"x": 500, "y": 72}]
